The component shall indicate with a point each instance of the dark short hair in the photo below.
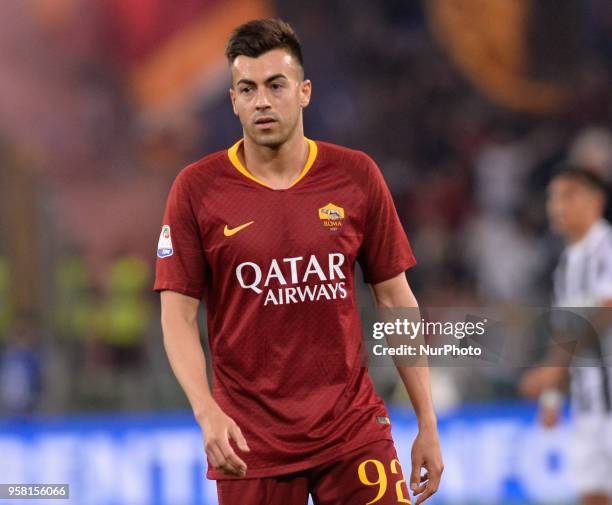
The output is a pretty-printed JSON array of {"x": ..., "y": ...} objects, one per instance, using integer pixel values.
[
  {"x": 259, "y": 36},
  {"x": 586, "y": 177}
]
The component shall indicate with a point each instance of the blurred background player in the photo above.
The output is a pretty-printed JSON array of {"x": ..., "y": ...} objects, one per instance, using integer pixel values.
[{"x": 583, "y": 278}]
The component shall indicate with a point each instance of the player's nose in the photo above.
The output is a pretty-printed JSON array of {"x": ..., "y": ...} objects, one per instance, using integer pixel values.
[{"x": 261, "y": 100}]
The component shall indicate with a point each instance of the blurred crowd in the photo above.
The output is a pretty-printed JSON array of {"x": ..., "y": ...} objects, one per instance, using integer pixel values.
[{"x": 468, "y": 177}]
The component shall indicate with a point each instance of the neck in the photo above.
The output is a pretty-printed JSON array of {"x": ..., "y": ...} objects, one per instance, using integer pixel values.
[
  {"x": 579, "y": 233},
  {"x": 279, "y": 165}
]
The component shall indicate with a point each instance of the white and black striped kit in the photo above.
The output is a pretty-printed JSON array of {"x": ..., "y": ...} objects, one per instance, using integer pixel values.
[{"x": 583, "y": 278}]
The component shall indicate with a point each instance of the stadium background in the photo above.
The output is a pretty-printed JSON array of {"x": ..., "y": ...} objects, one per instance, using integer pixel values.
[{"x": 465, "y": 104}]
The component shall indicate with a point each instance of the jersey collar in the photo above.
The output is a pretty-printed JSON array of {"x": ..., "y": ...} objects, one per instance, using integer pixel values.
[{"x": 232, "y": 153}]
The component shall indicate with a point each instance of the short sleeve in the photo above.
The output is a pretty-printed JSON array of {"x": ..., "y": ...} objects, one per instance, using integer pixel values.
[
  {"x": 180, "y": 264},
  {"x": 385, "y": 251},
  {"x": 603, "y": 264}
]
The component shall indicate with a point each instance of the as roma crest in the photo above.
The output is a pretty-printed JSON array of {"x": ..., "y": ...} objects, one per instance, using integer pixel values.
[{"x": 332, "y": 216}]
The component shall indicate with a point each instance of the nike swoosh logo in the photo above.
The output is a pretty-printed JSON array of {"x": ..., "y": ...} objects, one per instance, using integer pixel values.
[{"x": 228, "y": 232}]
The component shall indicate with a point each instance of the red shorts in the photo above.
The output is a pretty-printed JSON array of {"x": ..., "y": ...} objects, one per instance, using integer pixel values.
[{"x": 368, "y": 475}]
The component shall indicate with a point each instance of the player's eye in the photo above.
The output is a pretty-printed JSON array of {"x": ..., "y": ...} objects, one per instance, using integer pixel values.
[
  {"x": 276, "y": 86},
  {"x": 246, "y": 89}
]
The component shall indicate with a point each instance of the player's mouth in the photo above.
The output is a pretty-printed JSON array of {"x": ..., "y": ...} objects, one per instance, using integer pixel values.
[{"x": 265, "y": 122}]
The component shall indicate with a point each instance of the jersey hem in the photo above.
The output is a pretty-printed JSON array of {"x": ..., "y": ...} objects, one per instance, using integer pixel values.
[
  {"x": 392, "y": 272},
  {"x": 329, "y": 455},
  {"x": 179, "y": 288}
]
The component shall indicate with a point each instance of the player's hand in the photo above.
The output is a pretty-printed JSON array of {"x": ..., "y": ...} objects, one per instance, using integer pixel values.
[
  {"x": 426, "y": 454},
  {"x": 218, "y": 428},
  {"x": 549, "y": 416}
]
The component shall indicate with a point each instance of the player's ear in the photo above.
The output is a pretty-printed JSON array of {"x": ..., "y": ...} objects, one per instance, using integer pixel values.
[
  {"x": 305, "y": 92},
  {"x": 233, "y": 100}
]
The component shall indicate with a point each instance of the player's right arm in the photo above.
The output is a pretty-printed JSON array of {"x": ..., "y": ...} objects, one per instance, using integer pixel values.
[{"x": 179, "y": 318}]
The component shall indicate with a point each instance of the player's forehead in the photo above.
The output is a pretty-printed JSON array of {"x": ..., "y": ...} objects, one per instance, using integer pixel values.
[
  {"x": 259, "y": 69},
  {"x": 565, "y": 185}
]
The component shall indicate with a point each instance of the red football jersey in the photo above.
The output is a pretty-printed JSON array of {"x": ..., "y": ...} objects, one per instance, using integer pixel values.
[{"x": 276, "y": 270}]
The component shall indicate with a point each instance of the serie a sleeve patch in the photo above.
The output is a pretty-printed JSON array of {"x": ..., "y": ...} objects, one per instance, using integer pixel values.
[{"x": 164, "y": 246}]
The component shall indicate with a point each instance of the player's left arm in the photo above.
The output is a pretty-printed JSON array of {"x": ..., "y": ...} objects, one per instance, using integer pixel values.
[{"x": 426, "y": 452}]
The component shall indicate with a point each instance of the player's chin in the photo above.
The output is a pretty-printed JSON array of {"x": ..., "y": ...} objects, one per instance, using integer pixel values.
[{"x": 269, "y": 138}]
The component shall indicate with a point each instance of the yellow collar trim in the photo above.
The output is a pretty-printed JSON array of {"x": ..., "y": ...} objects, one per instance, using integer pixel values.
[{"x": 232, "y": 153}]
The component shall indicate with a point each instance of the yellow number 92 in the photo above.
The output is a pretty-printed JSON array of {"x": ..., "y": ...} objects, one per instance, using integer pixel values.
[{"x": 381, "y": 480}]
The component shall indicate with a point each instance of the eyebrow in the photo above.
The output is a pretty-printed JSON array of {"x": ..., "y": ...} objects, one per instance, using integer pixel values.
[{"x": 269, "y": 79}]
